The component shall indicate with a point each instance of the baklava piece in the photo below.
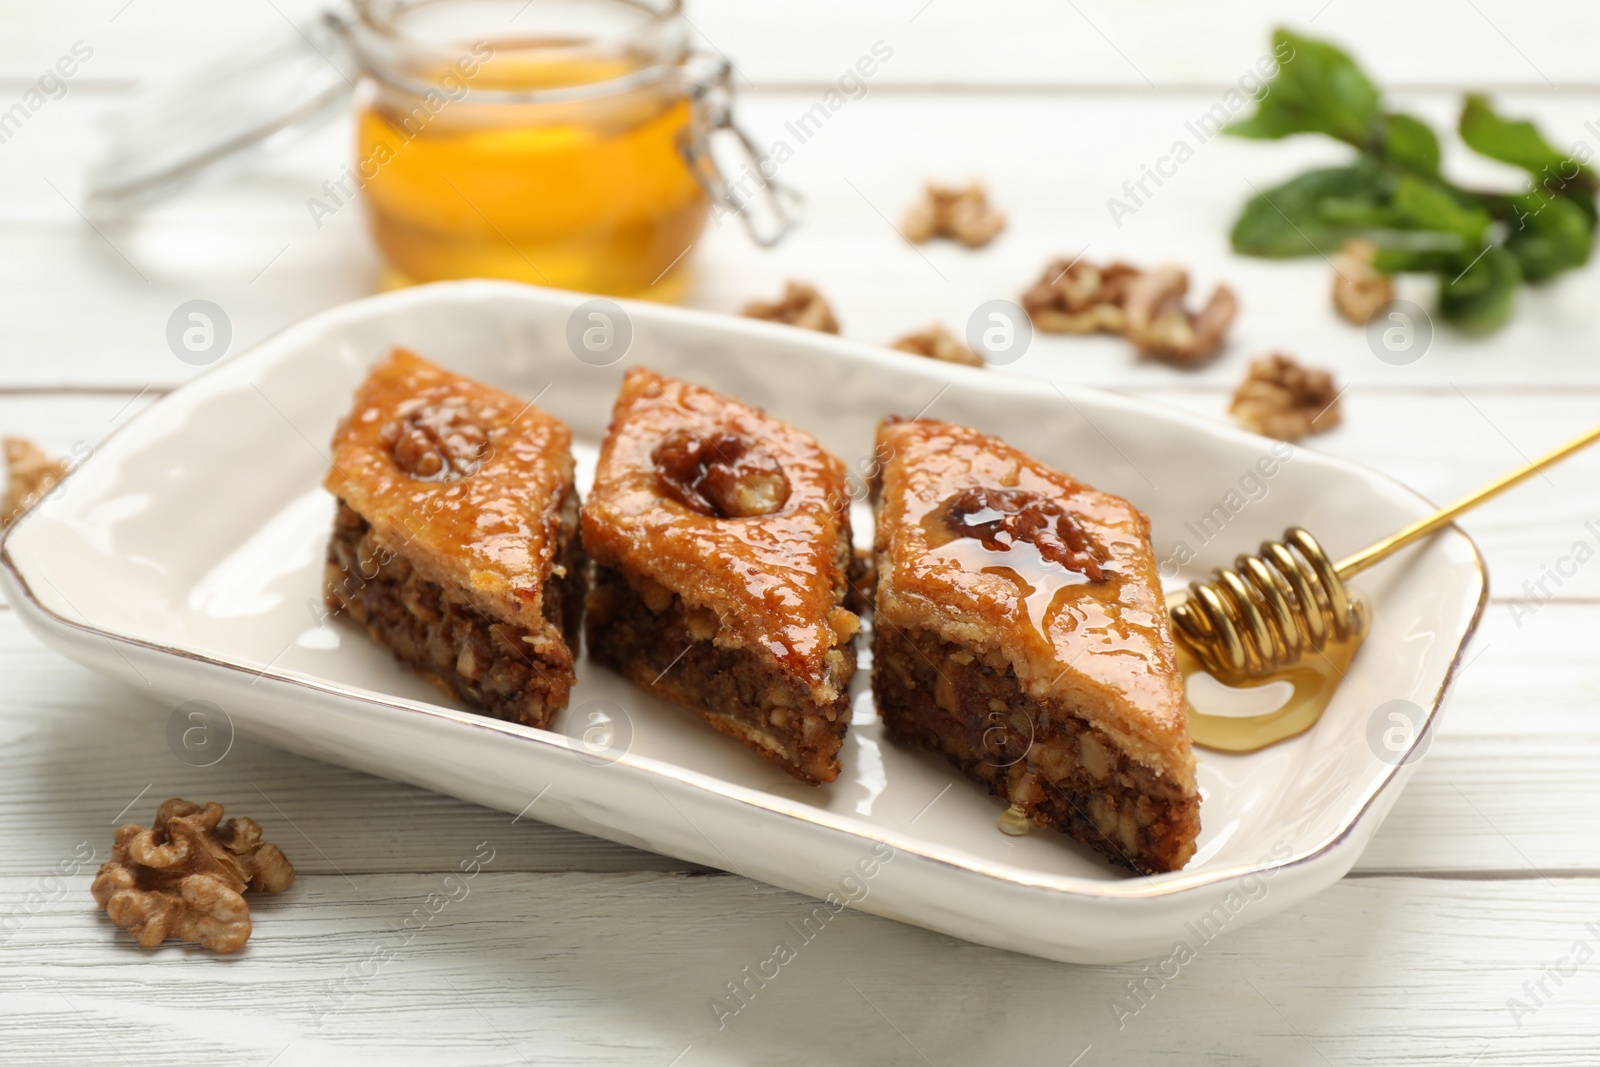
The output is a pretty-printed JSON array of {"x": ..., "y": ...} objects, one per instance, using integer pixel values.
[
  {"x": 721, "y": 544},
  {"x": 456, "y": 538},
  {"x": 1020, "y": 631}
]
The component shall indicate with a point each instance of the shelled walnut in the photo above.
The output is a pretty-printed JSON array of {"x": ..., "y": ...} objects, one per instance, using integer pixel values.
[
  {"x": 1074, "y": 296},
  {"x": 937, "y": 342},
  {"x": 30, "y": 474},
  {"x": 1145, "y": 306},
  {"x": 802, "y": 305},
  {"x": 185, "y": 876},
  {"x": 1159, "y": 325},
  {"x": 722, "y": 475},
  {"x": 999, "y": 518},
  {"x": 439, "y": 441},
  {"x": 1282, "y": 399},
  {"x": 961, "y": 214},
  {"x": 1360, "y": 290}
]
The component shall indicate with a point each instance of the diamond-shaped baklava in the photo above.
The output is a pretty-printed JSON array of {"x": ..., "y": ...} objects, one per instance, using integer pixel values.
[
  {"x": 721, "y": 540},
  {"x": 1020, "y": 631},
  {"x": 456, "y": 538}
]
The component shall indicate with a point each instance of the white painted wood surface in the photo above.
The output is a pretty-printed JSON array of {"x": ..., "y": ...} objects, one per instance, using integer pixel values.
[{"x": 570, "y": 949}]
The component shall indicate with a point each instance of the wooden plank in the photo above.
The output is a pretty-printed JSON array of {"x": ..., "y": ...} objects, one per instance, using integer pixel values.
[
  {"x": 69, "y": 424},
  {"x": 78, "y": 750},
  {"x": 103, "y": 296},
  {"x": 944, "y": 42},
  {"x": 590, "y": 968}
]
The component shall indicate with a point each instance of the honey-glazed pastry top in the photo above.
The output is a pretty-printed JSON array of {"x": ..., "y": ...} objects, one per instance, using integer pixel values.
[
  {"x": 729, "y": 509},
  {"x": 991, "y": 549},
  {"x": 460, "y": 478}
]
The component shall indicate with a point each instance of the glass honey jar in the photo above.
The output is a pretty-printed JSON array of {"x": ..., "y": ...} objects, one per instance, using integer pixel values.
[
  {"x": 560, "y": 154},
  {"x": 578, "y": 144}
]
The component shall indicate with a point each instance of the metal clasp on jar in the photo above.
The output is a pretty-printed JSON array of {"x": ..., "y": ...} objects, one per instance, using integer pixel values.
[{"x": 768, "y": 208}]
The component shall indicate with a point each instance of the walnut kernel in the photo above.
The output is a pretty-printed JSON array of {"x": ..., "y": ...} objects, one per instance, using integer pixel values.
[
  {"x": 802, "y": 305},
  {"x": 1074, "y": 296},
  {"x": 999, "y": 518},
  {"x": 937, "y": 342},
  {"x": 1282, "y": 399},
  {"x": 30, "y": 474},
  {"x": 961, "y": 214},
  {"x": 1146, "y": 307},
  {"x": 186, "y": 875},
  {"x": 1360, "y": 290},
  {"x": 1159, "y": 325},
  {"x": 438, "y": 441},
  {"x": 721, "y": 475}
]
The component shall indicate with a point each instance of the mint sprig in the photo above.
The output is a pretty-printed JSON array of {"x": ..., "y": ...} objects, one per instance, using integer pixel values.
[{"x": 1482, "y": 244}]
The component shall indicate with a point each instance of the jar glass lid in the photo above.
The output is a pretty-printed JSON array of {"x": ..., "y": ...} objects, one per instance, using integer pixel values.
[{"x": 165, "y": 135}]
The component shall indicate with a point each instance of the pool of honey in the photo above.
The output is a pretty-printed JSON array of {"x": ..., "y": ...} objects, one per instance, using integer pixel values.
[
  {"x": 1311, "y": 684},
  {"x": 591, "y": 195}
]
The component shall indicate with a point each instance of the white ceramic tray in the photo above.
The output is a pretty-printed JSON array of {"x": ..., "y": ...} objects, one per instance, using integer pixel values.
[{"x": 185, "y": 557}]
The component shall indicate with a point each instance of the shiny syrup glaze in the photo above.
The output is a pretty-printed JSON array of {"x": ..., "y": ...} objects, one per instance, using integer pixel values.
[
  {"x": 1002, "y": 519},
  {"x": 1053, "y": 615},
  {"x": 498, "y": 523},
  {"x": 771, "y": 579}
]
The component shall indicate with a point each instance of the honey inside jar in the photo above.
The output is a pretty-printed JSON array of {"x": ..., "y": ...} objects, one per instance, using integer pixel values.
[{"x": 550, "y": 160}]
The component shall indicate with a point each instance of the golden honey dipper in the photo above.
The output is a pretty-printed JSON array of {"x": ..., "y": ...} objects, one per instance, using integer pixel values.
[{"x": 1260, "y": 618}]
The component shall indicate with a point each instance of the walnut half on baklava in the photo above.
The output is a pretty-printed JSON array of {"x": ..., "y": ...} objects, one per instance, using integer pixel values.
[
  {"x": 721, "y": 540},
  {"x": 456, "y": 538},
  {"x": 1020, "y": 631}
]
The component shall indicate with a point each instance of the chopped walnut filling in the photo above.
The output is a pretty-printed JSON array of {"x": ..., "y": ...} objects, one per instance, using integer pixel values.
[
  {"x": 862, "y": 589},
  {"x": 1146, "y": 307},
  {"x": 999, "y": 518},
  {"x": 1360, "y": 290},
  {"x": 937, "y": 342},
  {"x": 439, "y": 441},
  {"x": 720, "y": 475},
  {"x": 1282, "y": 399},
  {"x": 186, "y": 875},
  {"x": 30, "y": 474},
  {"x": 963, "y": 215},
  {"x": 801, "y": 306}
]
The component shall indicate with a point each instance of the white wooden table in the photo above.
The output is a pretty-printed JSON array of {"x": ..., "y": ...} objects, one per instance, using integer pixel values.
[{"x": 569, "y": 949}]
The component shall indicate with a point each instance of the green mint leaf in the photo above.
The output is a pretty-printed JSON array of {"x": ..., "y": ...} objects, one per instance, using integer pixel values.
[
  {"x": 1401, "y": 259},
  {"x": 1519, "y": 143},
  {"x": 1410, "y": 143},
  {"x": 1313, "y": 213},
  {"x": 1420, "y": 204},
  {"x": 1423, "y": 221},
  {"x": 1480, "y": 297},
  {"x": 1548, "y": 235},
  {"x": 1318, "y": 89}
]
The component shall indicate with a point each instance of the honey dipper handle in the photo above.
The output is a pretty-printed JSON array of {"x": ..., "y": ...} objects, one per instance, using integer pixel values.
[{"x": 1445, "y": 516}]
